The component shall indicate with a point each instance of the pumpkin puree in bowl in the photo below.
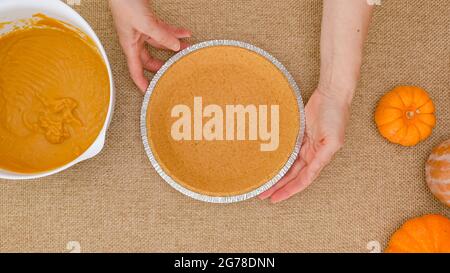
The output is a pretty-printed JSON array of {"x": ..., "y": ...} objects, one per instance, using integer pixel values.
[
  {"x": 221, "y": 76},
  {"x": 54, "y": 95}
]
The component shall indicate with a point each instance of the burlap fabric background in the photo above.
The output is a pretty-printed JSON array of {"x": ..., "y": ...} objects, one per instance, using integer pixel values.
[{"x": 117, "y": 202}]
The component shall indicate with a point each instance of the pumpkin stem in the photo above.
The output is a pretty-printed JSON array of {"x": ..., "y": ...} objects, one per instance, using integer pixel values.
[{"x": 409, "y": 114}]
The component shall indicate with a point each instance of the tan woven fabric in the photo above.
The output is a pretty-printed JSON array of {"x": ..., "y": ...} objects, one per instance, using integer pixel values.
[{"x": 117, "y": 202}]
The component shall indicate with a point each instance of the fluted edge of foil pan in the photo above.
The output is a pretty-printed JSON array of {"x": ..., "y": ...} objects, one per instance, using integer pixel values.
[{"x": 219, "y": 199}]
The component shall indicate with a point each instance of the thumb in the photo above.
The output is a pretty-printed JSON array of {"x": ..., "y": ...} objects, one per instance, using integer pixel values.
[{"x": 307, "y": 175}]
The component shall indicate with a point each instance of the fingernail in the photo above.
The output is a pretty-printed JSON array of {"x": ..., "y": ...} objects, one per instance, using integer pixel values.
[
  {"x": 262, "y": 197},
  {"x": 184, "y": 45},
  {"x": 273, "y": 201},
  {"x": 185, "y": 33},
  {"x": 176, "y": 47}
]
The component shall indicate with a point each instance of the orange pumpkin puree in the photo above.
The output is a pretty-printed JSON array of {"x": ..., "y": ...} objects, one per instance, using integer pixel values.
[{"x": 54, "y": 95}]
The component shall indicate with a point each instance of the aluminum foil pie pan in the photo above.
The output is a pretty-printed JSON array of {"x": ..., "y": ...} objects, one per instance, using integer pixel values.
[{"x": 176, "y": 184}]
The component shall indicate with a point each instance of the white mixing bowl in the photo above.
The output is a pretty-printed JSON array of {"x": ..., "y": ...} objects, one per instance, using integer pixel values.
[{"x": 12, "y": 10}]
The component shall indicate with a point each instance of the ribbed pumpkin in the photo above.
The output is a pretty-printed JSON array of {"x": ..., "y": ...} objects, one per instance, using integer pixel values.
[
  {"x": 438, "y": 172},
  {"x": 405, "y": 115},
  {"x": 426, "y": 234}
]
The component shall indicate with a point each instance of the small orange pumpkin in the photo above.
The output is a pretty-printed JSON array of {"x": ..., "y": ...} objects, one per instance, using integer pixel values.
[
  {"x": 426, "y": 234},
  {"x": 438, "y": 172},
  {"x": 405, "y": 115}
]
